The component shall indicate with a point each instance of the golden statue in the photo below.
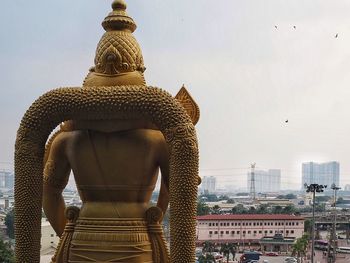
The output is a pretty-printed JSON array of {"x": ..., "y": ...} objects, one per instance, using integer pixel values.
[{"x": 116, "y": 134}]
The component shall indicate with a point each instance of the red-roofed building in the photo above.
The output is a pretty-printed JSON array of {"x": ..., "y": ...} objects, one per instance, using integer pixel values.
[{"x": 247, "y": 229}]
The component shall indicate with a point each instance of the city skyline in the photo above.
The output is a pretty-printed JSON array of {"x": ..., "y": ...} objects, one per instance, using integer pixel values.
[{"x": 249, "y": 69}]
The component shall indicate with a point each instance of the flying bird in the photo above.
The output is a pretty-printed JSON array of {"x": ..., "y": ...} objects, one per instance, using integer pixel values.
[
  {"x": 276, "y": 27},
  {"x": 286, "y": 121},
  {"x": 336, "y": 36},
  {"x": 294, "y": 27}
]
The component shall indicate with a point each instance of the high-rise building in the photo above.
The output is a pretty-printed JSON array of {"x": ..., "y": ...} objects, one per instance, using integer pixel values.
[
  {"x": 6, "y": 180},
  {"x": 265, "y": 181},
  {"x": 208, "y": 184},
  {"x": 320, "y": 173}
]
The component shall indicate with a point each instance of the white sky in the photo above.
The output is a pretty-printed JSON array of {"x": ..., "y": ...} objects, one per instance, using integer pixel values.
[{"x": 247, "y": 76}]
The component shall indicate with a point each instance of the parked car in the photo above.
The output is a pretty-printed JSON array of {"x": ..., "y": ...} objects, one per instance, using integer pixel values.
[
  {"x": 290, "y": 260},
  {"x": 271, "y": 254},
  {"x": 265, "y": 261}
]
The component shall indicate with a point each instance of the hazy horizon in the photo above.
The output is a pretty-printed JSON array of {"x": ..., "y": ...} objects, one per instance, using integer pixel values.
[{"x": 250, "y": 65}]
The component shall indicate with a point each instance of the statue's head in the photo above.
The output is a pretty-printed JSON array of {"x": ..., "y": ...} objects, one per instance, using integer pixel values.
[{"x": 118, "y": 59}]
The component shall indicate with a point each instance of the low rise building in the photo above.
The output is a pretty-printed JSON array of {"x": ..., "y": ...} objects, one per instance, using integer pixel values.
[
  {"x": 247, "y": 229},
  {"x": 49, "y": 239}
]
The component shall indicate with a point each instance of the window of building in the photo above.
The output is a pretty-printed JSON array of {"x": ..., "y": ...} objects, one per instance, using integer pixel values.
[
  {"x": 239, "y": 224},
  {"x": 227, "y": 232},
  {"x": 237, "y": 232},
  {"x": 275, "y": 223},
  {"x": 292, "y": 231},
  {"x": 243, "y": 224},
  {"x": 221, "y": 232},
  {"x": 231, "y": 224},
  {"x": 216, "y": 224},
  {"x": 265, "y": 231},
  {"x": 260, "y": 232},
  {"x": 254, "y": 224},
  {"x": 254, "y": 232},
  {"x": 220, "y": 224},
  {"x": 287, "y": 231},
  {"x": 250, "y": 223},
  {"x": 210, "y": 232},
  {"x": 264, "y": 223},
  {"x": 249, "y": 232},
  {"x": 261, "y": 223},
  {"x": 243, "y": 232},
  {"x": 232, "y": 232},
  {"x": 52, "y": 235},
  {"x": 215, "y": 232},
  {"x": 297, "y": 223},
  {"x": 209, "y": 224},
  {"x": 270, "y": 231}
]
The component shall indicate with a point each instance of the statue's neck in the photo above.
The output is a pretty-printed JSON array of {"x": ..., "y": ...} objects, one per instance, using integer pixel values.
[{"x": 128, "y": 78}]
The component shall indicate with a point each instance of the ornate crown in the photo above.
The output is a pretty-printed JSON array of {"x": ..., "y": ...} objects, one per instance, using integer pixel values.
[{"x": 118, "y": 50}]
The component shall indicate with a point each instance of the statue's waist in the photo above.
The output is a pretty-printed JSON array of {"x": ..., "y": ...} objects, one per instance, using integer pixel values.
[
  {"x": 115, "y": 193},
  {"x": 114, "y": 210}
]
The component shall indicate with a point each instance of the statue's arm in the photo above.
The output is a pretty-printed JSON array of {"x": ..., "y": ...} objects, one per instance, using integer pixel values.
[
  {"x": 56, "y": 175},
  {"x": 163, "y": 199}
]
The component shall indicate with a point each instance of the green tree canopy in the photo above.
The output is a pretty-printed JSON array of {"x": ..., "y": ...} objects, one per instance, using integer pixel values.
[
  {"x": 202, "y": 209},
  {"x": 9, "y": 222},
  {"x": 227, "y": 249},
  {"x": 6, "y": 254}
]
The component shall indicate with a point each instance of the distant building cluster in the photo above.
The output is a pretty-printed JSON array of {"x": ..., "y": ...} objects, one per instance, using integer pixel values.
[
  {"x": 208, "y": 184},
  {"x": 6, "y": 180},
  {"x": 265, "y": 181},
  {"x": 320, "y": 173}
]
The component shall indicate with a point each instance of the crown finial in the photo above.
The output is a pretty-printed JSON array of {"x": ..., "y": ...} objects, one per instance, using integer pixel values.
[
  {"x": 118, "y": 4},
  {"x": 118, "y": 19}
]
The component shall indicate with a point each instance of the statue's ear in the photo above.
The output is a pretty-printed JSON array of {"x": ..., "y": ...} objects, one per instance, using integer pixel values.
[{"x": 191, "y": 107}]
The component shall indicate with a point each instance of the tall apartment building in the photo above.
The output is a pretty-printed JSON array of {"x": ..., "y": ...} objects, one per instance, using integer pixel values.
[
  {"x": 6, "y": 180},
  {"x": 208, "y": 184},
  {"x": 265, "y": 181},
  {"x": 320, "y": 173}
]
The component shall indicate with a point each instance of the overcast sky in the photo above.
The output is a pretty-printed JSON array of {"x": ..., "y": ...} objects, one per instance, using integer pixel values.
[{"x": 247, "y": 76}]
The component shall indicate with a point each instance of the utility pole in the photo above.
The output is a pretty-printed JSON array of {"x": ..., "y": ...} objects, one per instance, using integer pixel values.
[
  {"x": 252, "y": 181},
  {"x": 319, "y": 189},
  {"x": 333, "y": 235}
]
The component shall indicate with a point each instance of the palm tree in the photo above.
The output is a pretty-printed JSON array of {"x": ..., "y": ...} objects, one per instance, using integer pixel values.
[
  {"x": 300, "y": 246},
  {"x": 227, "y": 249},
  {"x": 208, "y": 247}
]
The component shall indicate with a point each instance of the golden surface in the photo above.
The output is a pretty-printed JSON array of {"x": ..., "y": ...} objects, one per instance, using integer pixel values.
[{"x": 117, "y": 134}]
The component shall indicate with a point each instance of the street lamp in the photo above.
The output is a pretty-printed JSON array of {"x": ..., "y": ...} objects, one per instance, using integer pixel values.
[
  {"x": 334, "y": 230},
  {"x": 319, "y": 189}
]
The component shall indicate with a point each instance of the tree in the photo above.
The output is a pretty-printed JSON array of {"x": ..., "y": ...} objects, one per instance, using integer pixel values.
[
  {"x": 300, "y": 246},
  {"x": 202, "y": 209},
  {"x": 9, "y": 222},
  {"x": 262, "y": 209},
  {"x": 239, "y": 209},
  {"x": 6, "y": 254},
  {"x": 216, "y": 210},
  {"x": 308, "y": 226},
  {"x": 208, "y": 247},
  {"x": 277, "y": 209},
  {"x": 227, "y": 249},
  {"x": 289, "y": 209}
]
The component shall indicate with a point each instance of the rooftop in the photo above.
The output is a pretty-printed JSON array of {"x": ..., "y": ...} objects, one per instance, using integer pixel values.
[{"x": 250, "y": 217}]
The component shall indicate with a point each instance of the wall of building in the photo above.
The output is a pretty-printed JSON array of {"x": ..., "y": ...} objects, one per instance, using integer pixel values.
[{"x": 240, "y": 230}]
